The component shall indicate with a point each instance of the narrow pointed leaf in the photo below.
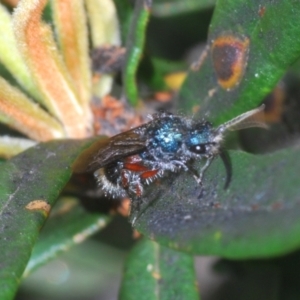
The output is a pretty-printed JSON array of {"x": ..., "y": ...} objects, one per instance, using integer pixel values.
[
  {"x": 105, "y": 31},
  {"x": 26, "y": 116},
  {"x": 125, "y": 13},
  {"x": 10, "y": 56},
  {"x": 71, "y": 25},
  {"x": 36, "y": 42},
  {"x": 135, "y": 45},
  {"x": 104, "y": 22}
]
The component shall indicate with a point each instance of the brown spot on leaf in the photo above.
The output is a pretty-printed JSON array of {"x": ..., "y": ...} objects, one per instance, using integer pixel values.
[
  {"x": 261, "y": 10},
  {"x": 156, "y": 275},
  {"x": 255, "y": 206},
  {"x": 40, "y": 205},
  {"x": 230, "y": 55},
  {"x": 276, "y": 205},
  {"x": 217, "y": 205}
]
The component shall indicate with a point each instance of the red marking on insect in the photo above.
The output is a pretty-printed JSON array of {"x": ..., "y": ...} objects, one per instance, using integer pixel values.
[
  {"x": 124, "y": 178},
  {"x": 149, "y": 174},
  {"x": 134, "y": 163},
  {"x": 135, "y": 167},
  {"x": 138, "y": 190}
]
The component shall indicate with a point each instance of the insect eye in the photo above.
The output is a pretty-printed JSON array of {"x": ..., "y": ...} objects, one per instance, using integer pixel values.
[{"x": 198, "y": 149}]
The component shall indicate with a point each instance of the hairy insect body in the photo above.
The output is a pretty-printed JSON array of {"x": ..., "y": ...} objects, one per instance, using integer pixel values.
[
  {"x": 171, "y": 143},
  {"x": 168, "y": 143}
]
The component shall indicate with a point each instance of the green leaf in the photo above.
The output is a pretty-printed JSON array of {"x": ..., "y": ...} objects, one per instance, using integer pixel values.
[
  {"x": 257, "y": 216},
  {"x": 125, "y": 12},
  {"x": 261, "y": 279},
  {"x": 68, "y": 225},
  {"x": 88, "y": 271},
  {"x": 259, "y": 210},
  {"x": 271, "y": 28},
  {"x": 29, "y": 185},
  {"x": 135, "y": 45},
  {"x": 154, "y": 70},
  {"x": 156, "y": 272},
  {"x": 166, "y": 8},
  {"x": 11, "y": 146}
]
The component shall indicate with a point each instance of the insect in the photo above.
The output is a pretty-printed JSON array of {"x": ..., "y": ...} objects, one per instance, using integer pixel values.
[{"x": 168, "y": 143}]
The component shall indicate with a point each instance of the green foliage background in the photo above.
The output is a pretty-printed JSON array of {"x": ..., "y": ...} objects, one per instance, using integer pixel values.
[{"x": 254, "y": 223}]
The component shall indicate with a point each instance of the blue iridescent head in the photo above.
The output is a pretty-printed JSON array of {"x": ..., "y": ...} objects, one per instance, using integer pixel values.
[{"x": 200, "y": 138}]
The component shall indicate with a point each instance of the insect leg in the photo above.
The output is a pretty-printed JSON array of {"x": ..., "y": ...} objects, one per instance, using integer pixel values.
[
  {"x": 198, "y": 177},
  {"x": 228, "y": 166}
]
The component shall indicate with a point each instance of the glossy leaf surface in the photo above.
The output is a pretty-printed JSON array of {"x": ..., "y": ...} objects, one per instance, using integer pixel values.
[
  {"x": 135, "y": 45},
  {"x": 258, "y": 216},
  {"x": 29, "y": 185},
  {"x": 270, "y": 27}
]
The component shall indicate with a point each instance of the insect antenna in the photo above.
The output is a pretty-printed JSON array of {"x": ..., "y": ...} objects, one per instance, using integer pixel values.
[{"x": 251, "y": 118}]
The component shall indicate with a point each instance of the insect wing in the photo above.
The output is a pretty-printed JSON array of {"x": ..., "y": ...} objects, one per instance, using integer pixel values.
[{"x": 119, "y": 146}]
